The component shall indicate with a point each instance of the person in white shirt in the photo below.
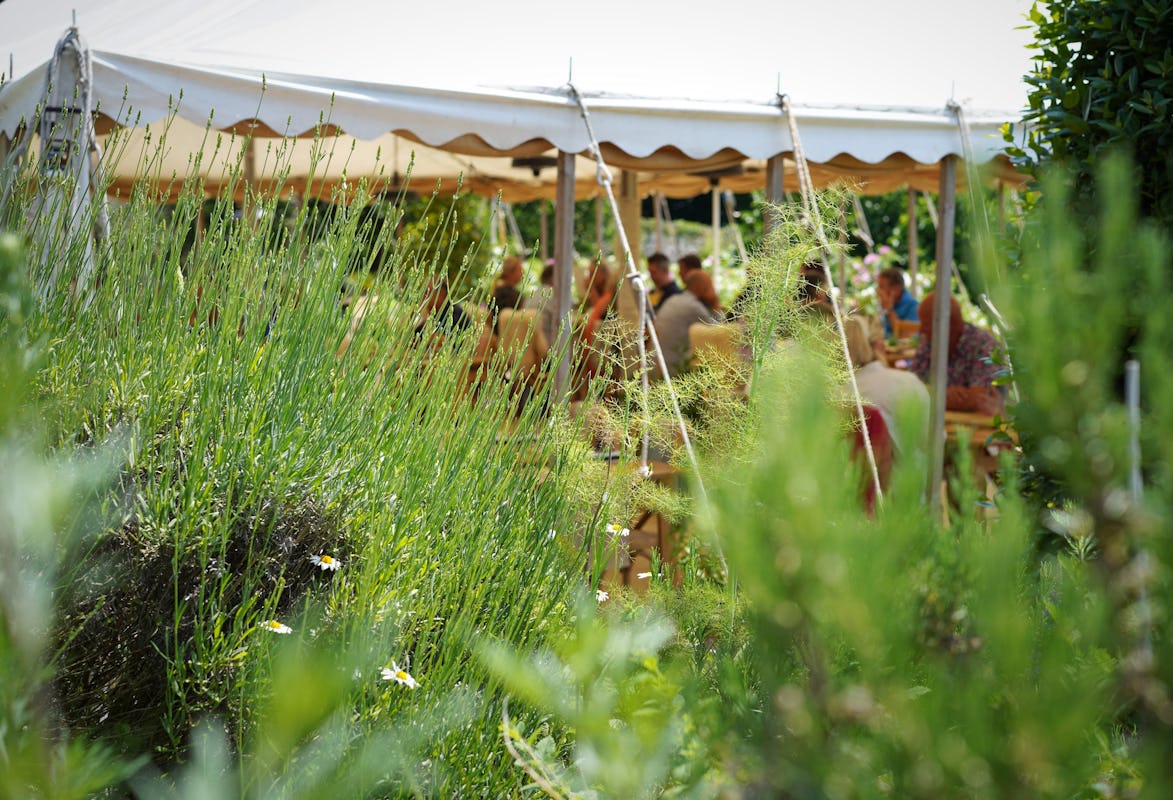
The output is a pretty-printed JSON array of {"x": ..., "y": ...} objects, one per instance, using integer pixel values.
[
  {"x": 900, "y": 395},
  {"x": 680, "y": 311}
]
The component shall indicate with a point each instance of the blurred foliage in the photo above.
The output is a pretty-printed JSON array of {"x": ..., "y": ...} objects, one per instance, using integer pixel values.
[
  {"x": 853, "y": 656},
  {"x": 46, "y": 509},
  {"x": 586, "y": 232}
]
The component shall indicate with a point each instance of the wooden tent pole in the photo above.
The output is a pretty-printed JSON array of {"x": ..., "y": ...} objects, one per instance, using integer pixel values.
[
  {"x": 939, "y": 364},
  {"x": 630, "y": 211},
  {"x": 598, "y": 226},
  {"x": 563, "y": 270}
]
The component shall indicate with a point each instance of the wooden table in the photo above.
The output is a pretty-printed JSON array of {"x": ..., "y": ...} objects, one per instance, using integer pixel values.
[
  {"x": 976, "y": 430},
  {"x": 898, "y": 355},
  {"x": 649, "y": 530},
  {"x": 982, "y": 426}
]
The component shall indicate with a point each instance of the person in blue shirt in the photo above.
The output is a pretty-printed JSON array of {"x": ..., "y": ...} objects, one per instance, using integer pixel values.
[{"x": 896, "y": 302}]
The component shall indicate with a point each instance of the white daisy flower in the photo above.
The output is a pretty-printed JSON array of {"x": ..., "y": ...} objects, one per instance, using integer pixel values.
[
  {"x": 325, "y": 562},
  {"x": 273, "y": 626},
  {"x": 615, "y": 530},
  {"x": 399, "y": 675},
  {"x": 601, "y": 596}
]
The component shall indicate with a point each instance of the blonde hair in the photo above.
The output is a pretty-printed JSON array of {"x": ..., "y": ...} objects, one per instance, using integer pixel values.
[{"x": 859, "y": 343}]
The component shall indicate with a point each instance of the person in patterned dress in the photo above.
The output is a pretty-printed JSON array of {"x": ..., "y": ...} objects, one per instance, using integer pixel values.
[{"x": 971, "y": 370}]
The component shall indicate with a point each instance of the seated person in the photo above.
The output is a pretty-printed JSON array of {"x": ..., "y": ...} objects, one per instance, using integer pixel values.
[
  {"x": 679, "y": 312},
  {"x": 438, "y": 313},
  {"x": 882, "y": 449},
  {"x": 542, "y": 301},
  {"x": 596, "y": 307},
  {"x": 598, "y": 300},
  {"x": 505, "y": 291},
  {"x": 689, "y": 264},
  {"x": 896, "y": 302},
  {"x": 663, "y": 286},
  {"x": 813, "y": 293},
  {"x": 686, "y": 264},
  {"x": 892, "y": 391},
  {"x": 970, "y": 381}
]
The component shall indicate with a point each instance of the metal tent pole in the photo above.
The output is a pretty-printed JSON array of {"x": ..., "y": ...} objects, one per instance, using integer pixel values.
[
  {"x": 775, "y": 191},
  {"x": 939, "y": 364},
  {"x": 913, "y": 244},
  {"x": 659, "y": 223},
  {"x": 716, "y": 193},
  {"x": 563, "y": 269},
  {"x": 731, "y": 215}
]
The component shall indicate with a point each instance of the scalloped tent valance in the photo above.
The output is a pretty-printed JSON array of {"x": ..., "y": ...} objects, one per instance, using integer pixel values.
[{"x": 371, "y": 82}]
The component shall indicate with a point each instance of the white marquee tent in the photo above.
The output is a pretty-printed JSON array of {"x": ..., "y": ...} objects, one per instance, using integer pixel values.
[{"x": 673, "y": 92}]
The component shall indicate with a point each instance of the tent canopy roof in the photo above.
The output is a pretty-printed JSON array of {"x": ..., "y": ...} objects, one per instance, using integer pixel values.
[{"x": 669, "y": 93}]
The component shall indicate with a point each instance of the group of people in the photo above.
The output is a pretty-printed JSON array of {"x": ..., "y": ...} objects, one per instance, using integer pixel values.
[
  {"x": 679, "y": 308},
  {"x": 971, "y": 374},
  {"x": 688, "y": 297},
  {"x": 895, "y": 393},
  {"x": 676, "y": 306}
]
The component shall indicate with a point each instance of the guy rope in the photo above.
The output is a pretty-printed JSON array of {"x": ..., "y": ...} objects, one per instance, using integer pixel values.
[
  {"x": 810, "y": 206},
  {"x": 646, "y": 316}
]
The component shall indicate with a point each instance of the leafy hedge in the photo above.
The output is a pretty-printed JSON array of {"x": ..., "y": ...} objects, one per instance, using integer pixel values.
[{"x": 1103, "y": 80}]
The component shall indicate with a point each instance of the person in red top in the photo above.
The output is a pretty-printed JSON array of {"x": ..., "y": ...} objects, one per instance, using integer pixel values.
[
  {"x": 599, "y": 300},
  {"x": 971, "y": 372}
]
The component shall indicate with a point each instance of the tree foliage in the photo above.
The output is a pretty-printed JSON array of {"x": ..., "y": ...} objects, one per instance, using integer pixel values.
[{"x": 1103, "y": 80}]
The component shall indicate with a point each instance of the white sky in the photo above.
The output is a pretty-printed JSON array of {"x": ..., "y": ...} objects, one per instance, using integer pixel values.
[{"x": 900, "y": 52}]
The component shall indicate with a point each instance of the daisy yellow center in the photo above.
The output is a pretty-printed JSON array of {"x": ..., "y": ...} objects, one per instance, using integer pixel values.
[
  {"x": 327, "y": 560},
  {"x": 401, "y": 675}
]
